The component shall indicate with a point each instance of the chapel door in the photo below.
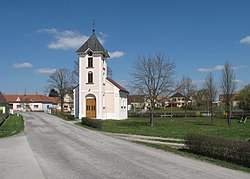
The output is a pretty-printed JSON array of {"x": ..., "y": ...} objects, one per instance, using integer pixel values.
[{"x": 91, "y": 108}]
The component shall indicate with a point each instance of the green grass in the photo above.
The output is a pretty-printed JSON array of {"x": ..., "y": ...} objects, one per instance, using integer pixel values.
[
  {"x": 178, "y": 127},
  {"x": 12, "y": 125},
  {"x": 183, "y": 152}
]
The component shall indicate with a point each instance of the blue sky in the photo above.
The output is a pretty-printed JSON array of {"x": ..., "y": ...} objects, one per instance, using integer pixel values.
[{"x": 38, "y": 37}]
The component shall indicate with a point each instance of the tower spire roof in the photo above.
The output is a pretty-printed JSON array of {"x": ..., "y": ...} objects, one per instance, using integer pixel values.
[{"x": 94, "y": 44}]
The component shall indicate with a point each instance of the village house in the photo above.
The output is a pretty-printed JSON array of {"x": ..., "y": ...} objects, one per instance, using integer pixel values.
[
  {"x": 222, "y": 99},
  {"x": 179, "y": 100},
  {"x": 4, "y": 112},
  {"x": 29, "y": 102},
  {"x": 137, "y": 101},
  {"x": 3, "y": 104},
  {"x": 68, "y": 104},
  {"x": 97, "y": 96}
]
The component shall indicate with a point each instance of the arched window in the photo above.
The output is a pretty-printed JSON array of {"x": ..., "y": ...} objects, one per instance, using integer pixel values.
[
  {"x": 90, "y": 62},
  {"x": 90, "y": 77}
]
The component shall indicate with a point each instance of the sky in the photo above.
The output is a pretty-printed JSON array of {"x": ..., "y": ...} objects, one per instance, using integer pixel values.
[{"x": 39, "y": 37}]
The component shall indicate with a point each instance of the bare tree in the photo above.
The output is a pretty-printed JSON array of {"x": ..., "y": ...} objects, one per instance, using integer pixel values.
[
  {"x": 228, "y": 86},
  {"x": 200, "y": 100},
  {"x": 60, "y": 80},
  {"x": 75, "y": 73},
  {"x": 211, "y": 91},
  {"x": 153, "y": 76},
  {"x": 188, "y": 89}
]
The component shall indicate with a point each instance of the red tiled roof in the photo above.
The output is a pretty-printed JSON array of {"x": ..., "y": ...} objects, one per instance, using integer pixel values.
[
  {"x": 222, "y": 97},
  {"x": 117, "y": 85},
  {"x": 136, "y": 98},
  {"x": 2, "y": 99},
  {"x": 54, "y": 99},
  {"x": 28, "y": 98}
]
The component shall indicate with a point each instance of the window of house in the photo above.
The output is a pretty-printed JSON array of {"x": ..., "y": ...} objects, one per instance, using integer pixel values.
[
  {"x": 36, "y": 106},
  {"x": 18, "y": 106},
  {"x": 90, "y": 62},
  {"x": 90, "y": 77}
]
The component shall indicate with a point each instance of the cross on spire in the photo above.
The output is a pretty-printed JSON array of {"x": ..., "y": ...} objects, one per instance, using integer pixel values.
[{"x": 93, "y": 25}]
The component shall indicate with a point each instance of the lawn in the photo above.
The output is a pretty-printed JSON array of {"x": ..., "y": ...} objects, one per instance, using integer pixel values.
[
  {"x": 179, "y": 127},
  {"x": 12, "y": 125}
]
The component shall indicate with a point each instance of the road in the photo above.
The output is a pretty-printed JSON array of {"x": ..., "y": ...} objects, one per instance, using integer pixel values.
[{"x": 52, "y": 148}]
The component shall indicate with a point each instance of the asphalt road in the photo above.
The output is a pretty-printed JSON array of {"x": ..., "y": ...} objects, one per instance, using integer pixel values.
[{"x": 53, "y": 148}]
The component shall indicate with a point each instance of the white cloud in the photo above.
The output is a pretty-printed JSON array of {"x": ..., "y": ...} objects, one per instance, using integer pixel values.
[
  {"x": 46, "y": 70},
  {"x": 245, "y": 40},
  {"x": 116, "y": 54},
  {"x": 103, "y": 34},
  {"x": 65, "y": 39},
  {"x": 22, "y": 65},
  {"x": 219, "y": 67},
  {"x": 239, "y": 81}
]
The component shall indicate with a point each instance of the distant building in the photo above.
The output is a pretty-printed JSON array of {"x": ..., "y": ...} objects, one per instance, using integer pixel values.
[
  {"x": 223, "y": 97},
  {"x": 97, "y": 96},
  {"x": 179, "y": 100},
  {"x": 137, "y": 101},
  {"x": 4, "y": 112},
  {"x": 29, "y": 102},
  {"x": 3, "y": 104},
  {"x": 68, "y": 104}
]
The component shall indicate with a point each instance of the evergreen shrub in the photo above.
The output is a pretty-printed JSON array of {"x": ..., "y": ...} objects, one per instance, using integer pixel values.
[
  {"x": 219, "y": 148},
  {"x": 95, "y": 123}
]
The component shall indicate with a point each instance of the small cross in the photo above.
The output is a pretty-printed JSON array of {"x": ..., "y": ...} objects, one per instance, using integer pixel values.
[{"x": 93, "y": 24}]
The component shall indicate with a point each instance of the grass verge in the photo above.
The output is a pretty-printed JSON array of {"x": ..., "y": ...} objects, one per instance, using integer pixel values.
[
  {"x": 178, "y": 127},
  {"x": 12, "y": 125}
]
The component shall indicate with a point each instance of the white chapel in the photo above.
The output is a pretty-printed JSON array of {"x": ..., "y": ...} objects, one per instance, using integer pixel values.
[{"x": 97, "y": 96}]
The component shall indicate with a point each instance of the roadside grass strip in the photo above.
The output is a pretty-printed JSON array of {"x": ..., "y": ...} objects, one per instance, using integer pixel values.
[{"x": 11, "y": 126}]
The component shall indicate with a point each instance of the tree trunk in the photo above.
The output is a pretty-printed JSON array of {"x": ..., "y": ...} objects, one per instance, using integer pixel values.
[
  {"x": 62, "y": 101},
  {"x": 211, "y": 112},
  {"x": 228, "y": 114},
  {"x": 151, "y": 116},
  {"x": 185, "y": 110}
]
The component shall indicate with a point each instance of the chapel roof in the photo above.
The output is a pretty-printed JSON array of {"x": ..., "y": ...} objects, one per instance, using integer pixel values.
[
  {"x": 94, "y": 44},
  {"x": 117, "y": 85}
]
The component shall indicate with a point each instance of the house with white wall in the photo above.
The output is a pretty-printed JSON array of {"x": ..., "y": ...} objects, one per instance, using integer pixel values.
[
  {"x": 97, "y": 96},
  {"x": 29, "y": 102},
  {"x": 179, "y": 100}
]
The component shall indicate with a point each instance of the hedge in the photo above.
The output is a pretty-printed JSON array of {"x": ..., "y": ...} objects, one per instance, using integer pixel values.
[
  {"x": 219, "y": 148},
  {"x": 96, "y": 123}
]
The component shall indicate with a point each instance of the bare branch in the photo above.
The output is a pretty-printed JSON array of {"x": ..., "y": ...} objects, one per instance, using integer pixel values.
[
  {"x": 228, "y": 86},
  {"x": 153, "y": 76}
]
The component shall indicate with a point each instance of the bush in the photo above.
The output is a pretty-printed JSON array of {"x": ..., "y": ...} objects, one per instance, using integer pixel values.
[
  {"x": 220, "y": 148},
  {"x": 70, "y": 117},
  {"x": 95, "y": 123}
]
